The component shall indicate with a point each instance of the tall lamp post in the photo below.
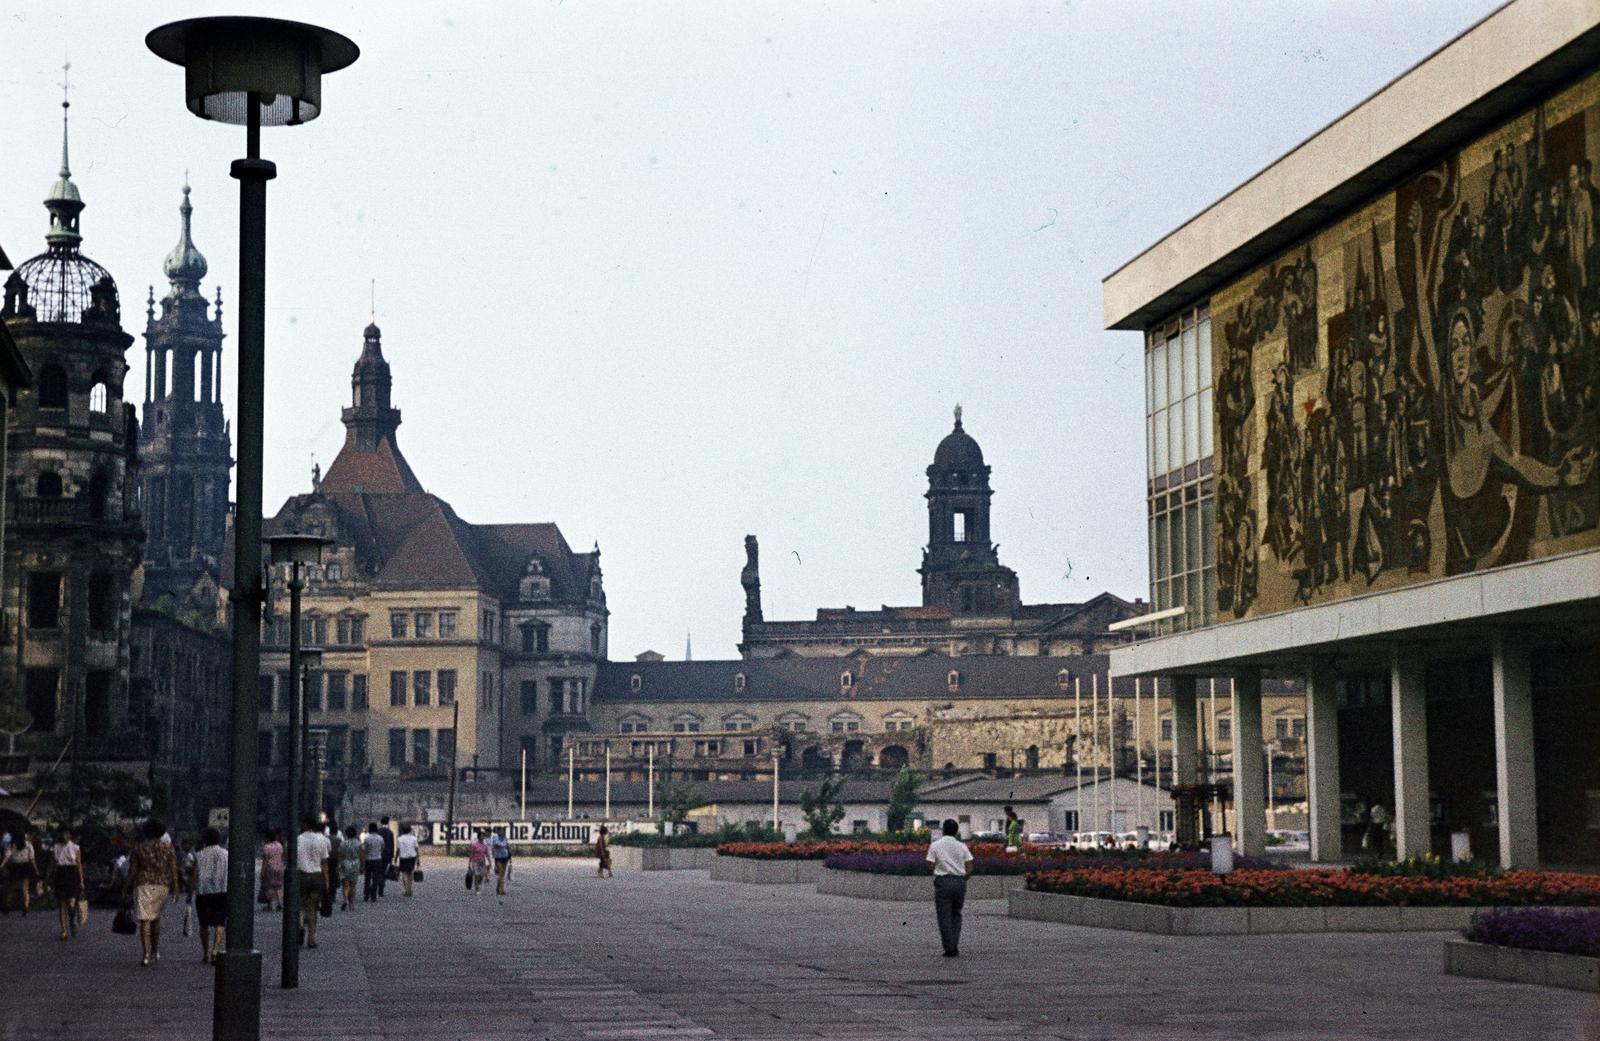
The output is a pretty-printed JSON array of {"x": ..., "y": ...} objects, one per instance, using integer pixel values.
[
  {"x": 297, "y": 551},
  {"x": 254, "y": 72},
  {"x": 310, "y": 751}
]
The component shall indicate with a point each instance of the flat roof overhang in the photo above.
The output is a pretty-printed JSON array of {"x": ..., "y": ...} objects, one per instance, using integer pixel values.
[
  {"x": 1492, "y": 71},
  {"x": 1554, "y": 599}
]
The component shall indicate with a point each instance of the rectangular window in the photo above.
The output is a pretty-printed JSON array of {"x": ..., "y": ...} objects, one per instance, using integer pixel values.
[
  {"x": 358, "y": 748},
  {"x": 285, "y": 691},
  {"x": 341, "y": 632},
  {"x": 486, "y": 690},
  {"x": 527, "y": 639},
  {"x": 421, "y": 747},
  {"x": 1166, "y": 730},
  {"x": 42, "y": 684},
  {"x": 358, "y": 630},
  {"x": 447, "y": 747},
  {"x": 1164, "y": 820},
  {"x": 397, "y": 690},
  {"x": 1281, "y": 727},
  {"x": 958, "y": 526},
  {"x": 1297, "y": 727},
  {"x": 314, "y": 691},
  {"x": 529, "y": 697},
  {"x": 751, "y": 747},
  {"x": 447, "y": 687},
  {"x": 397, "y": 746},
  {"x": 1224, "y": 729},
  {"x": 422, "y": 687},
  {"x": 336, "y": 691},
  {"x": 264, "y": 698},
  {"x": 44, "y": 599},
  {"x": 263, "y": 748},
  {"x": 397, "y": 625},
  {"x": 335, "y": 745},
  {"x": 447, "y": 625},
  {"x": 423, "y": 626},
  {"x": 558, "y": 695},
  {"x": 102, "y": 603},
  {"x": 358, "y": 692},
  {"x": 319, "y": 632}
]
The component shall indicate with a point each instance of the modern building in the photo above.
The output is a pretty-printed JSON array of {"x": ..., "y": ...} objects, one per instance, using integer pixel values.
[
  {"x": 443, "y": 642},
  {"x": 184, "y": 439},
  {"x": 1372, "y": 395},
  {"x": 971, "y": 603}
]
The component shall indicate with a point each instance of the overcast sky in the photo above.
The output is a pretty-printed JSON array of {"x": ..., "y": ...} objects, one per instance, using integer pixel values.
[{"x": 670, "y": 273}]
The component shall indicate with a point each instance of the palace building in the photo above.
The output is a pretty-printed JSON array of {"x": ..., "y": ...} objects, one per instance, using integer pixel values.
[{"x": 1372, "y": 397}]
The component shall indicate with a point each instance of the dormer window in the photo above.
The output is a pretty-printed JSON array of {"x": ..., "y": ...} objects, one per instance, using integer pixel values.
[
  {"x": 738, "y": 683},
  {"x": 635, "y": 683},
  {"x": 846, "y": 680},
  {"x": 1063, "y": 678},
  {"x": 954, "y": 679}
]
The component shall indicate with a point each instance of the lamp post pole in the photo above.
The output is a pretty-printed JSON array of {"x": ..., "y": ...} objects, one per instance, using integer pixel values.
[{"x": 291, "y": 813}]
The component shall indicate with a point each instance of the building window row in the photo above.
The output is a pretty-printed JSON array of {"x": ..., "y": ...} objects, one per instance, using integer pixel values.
[
  {"x": 417, "y": 688},
  {"x": 340, "y": 745},
  {"x": 426, "y": 746},
  {"x": 423, "y": 625}
]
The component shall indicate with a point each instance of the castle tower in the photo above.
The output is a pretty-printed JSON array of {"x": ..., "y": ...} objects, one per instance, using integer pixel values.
[
  {"x": 961, "y": 568},
  {"x": 73, "y": 534},
  {"x": 370, "y": 460},
  {"x": 184, "y": 441}
]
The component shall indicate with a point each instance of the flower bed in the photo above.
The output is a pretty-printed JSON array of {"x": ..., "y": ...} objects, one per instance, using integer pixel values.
[
  {"x": 1538, "y": 929},
  {"x": 914, "y": 862},
  {"x": 1286, "y": 888}
]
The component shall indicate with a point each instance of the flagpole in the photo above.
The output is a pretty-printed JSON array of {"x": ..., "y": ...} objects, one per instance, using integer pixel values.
[
  {"x": 1138, "y": 759},
  {"x": 1094, "y": 744},
  {"x": 1077, "y": 745},
  {"x": 572, "y": 753}
]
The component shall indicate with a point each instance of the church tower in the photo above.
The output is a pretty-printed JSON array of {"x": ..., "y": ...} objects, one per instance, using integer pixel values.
[
  {"x": 73, "y": 534},
  {"x": 370, "y": 460},
  {"x": 185, "y": 444},
  {"x": 961, "y": 568}
]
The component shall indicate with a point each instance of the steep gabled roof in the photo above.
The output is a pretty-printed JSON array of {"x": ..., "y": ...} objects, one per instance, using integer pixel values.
[{"x": 383, "y": 469}]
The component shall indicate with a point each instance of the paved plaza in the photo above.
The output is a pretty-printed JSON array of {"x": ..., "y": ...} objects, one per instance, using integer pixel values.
[{"x": 674, "y": 955}]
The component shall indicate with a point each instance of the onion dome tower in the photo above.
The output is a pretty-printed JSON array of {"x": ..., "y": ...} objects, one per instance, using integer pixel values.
[
  {"x": 961, "y": 568},
  {"x": 72, "y": 468},
  {"x": 184, "y": 440}
]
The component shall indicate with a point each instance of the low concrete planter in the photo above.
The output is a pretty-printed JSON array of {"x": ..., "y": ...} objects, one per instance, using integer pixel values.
[
  {"x": 1489, "y": 961},
  {"x": 764, "y": 872},
  {"x": 869, "y": 886},
  {"x": 1222, "y": 921},
  {"x": 652, "y": 858}
]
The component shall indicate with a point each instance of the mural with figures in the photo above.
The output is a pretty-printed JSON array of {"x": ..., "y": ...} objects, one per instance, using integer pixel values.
[{"x": 1415, "y": 391}]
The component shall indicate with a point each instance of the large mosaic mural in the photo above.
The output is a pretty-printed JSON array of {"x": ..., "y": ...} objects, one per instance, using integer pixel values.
[{"x": 1415, "y": 391}]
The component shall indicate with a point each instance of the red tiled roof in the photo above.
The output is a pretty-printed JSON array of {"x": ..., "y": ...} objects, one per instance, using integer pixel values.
[{"x": 383, "y": 469}]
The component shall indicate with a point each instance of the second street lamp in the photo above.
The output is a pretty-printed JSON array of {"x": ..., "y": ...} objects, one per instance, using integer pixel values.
[{"x": 296, "y": 551}]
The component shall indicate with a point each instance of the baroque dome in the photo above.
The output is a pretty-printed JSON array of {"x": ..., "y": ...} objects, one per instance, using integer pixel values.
[{"x": 958, "y": 449}]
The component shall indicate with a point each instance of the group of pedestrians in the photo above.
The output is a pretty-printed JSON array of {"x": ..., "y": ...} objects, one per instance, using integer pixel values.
[{"x": 20, "y": 874}]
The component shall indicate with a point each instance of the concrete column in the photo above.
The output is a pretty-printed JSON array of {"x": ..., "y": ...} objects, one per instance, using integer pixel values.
[
  {"x": 1249, "y": 784},
  {"x": 1322, "y": 762},
  {"x": 1513, "y": 753},
  {"x": 1185, "y": 732},
  {"x": 1408, "y": 699}
]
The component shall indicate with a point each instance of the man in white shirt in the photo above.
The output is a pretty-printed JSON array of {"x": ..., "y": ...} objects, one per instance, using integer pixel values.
[
  {"x": 952, "y": 863},
  {"x": 312, "y": 851}
]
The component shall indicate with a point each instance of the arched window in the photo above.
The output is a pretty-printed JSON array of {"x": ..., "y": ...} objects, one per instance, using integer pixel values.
[
  {"x": 738, "y": 683},
  {"x": 53, "y": 387},
  {"x": 954, "y": 679},
  {"x": 635, "y": 683},
  {"x": 1064, "y": 678},
  {"x": 594, "y": 638},
  {"x": 846, "y": 681},
  {"x": 97, "y": 397},
  {"x": 48, "y": 486}
]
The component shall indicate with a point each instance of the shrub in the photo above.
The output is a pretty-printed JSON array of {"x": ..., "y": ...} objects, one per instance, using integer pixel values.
[
  {"x": 823, "y": 808},
  {"x": 1538, "y": 929},
  {"x": 1429, "y": 866},
  {"x": 1285, "y": 888}
]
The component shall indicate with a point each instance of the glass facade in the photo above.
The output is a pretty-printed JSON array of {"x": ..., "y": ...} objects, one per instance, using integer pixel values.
[{"x": 1181, "y": 493}]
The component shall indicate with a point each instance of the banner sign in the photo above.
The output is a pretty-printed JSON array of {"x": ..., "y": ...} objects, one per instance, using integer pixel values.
[{"x": 518, "y": 833}]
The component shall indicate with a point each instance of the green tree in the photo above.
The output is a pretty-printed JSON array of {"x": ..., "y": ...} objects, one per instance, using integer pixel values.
[
  {"x": 823, "y": 808},
  {"x": 94, "y": 796},
  {"x": 903, "y": 798},
  {"x": 677, "y": 801}
]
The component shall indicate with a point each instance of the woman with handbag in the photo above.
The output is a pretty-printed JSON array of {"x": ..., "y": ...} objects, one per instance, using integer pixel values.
[
  {"x": 210, "y": 887},
  {"x": 67, "y": 881},
  {"x": 22, "y": 868},
  {"x": 153, "y": 879}
]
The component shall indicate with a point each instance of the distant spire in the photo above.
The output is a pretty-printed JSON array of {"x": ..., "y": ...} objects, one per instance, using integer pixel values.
[
  {"x": 372, "y": 299},
  {"x": 64, "y": 202},
  {"x": 958, "y": 415},
  {"x": 185, "y": 265},
  {"x": 688, "y": 647},
  {"x": 216, "y": 314}
]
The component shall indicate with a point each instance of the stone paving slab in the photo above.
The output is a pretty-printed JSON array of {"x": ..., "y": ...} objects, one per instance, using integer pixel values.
[{"x": 673, "y": 955}]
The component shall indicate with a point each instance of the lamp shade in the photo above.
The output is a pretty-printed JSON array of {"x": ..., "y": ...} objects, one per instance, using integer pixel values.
[
  {"x": 295, "y": 548},
  {"x": 225, "y": 60}
]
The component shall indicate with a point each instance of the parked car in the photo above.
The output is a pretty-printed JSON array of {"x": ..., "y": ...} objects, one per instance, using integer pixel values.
[
  {"x": 1289, "y": 841},
  {"x": 1092, "y": 839}
]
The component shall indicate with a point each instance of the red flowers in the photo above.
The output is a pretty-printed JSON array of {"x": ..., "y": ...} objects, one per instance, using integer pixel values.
[{"x": 1288, "y": 888}]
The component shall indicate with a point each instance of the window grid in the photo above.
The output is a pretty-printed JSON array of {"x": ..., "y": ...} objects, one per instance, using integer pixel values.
[{"x": 1181, "y": 494}]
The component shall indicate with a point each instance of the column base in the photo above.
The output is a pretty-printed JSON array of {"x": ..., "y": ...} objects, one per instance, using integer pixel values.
[{"x": 236, "y": 1001}]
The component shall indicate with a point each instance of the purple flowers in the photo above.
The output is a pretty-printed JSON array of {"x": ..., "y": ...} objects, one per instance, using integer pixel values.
[
  {"x": 914, "y": 863},
  {"x": 1539, "y": 929}
]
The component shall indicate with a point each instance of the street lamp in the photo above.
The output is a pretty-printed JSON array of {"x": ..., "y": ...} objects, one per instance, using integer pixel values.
[
  {"x": 297, "y": 551},
  {"x": 252, "y": 71}
]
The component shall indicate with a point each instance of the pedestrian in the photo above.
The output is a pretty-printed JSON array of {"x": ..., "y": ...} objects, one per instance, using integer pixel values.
[
  {"x": 67, "y": 881},
  {"x": 349, "y": 866},
  {"x": 952, "y": 863},
  {"x": 22, "y": 868},
  {"x": 1378, "y": 830},
  {"x": 312, "y": 852},
  {"x": 153, "y": 880},
  {"x": 500, "y": 853},
  {"x": 405, "y": 848},
  {"x": 478, "y": 861},
  {"x": 602, "y": 851},
  {"x": 272, "y": 870},
  {"x": 1013, "y": 831},
  {"x": 186, "y": 881},
  {"x": 209, "y": 883},
  {"x": 387, "y": 834},
  {"x": 375, "y": 865}
]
